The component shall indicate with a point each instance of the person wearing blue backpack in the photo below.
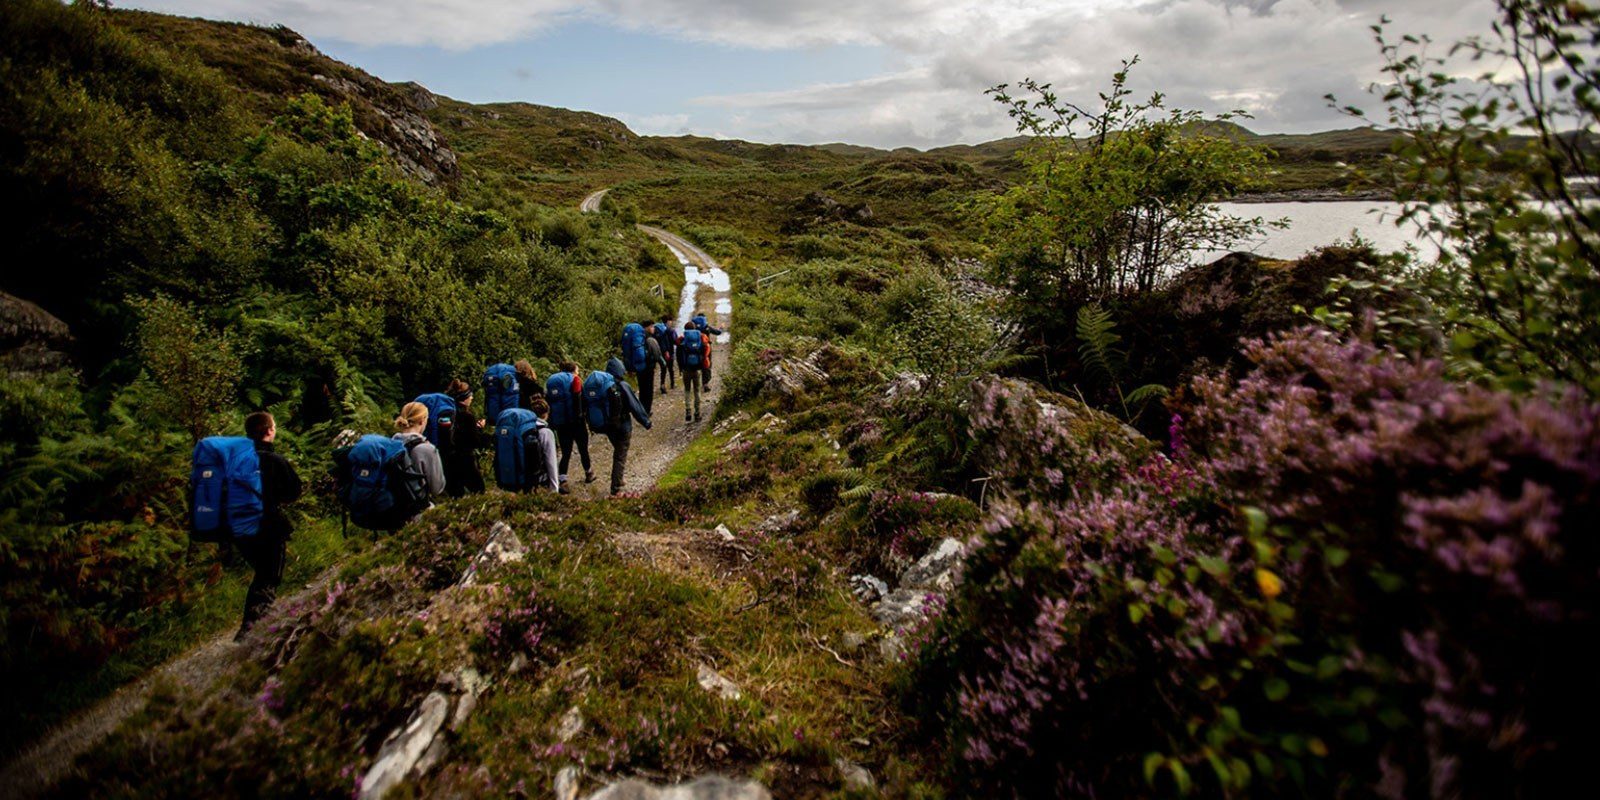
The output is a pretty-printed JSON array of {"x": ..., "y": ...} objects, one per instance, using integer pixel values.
[
  {"x": 525, "y": 450},
  {"x": 694, "y": 352},
  {"x": 266, "y": 551},
  {"x": 654, "y": 362},
  {"x": 564, "y": 393},
  {"x": 667, "y": 338},
  {"x": 461, "y": 475},
  {"x": 409, "y": 431},
  {"x": 703, "y": 325},
  {"x": 611, "y": 407}
]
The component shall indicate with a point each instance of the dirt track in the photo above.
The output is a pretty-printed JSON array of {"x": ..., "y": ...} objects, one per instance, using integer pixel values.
[{"x": 652, "y": 451}]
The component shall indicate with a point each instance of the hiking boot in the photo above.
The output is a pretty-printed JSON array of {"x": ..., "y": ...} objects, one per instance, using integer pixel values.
[
  {"x": 687, "y": 418},
  {"x": 588, "y": 476},
  {"x": 696, "y": 417}
]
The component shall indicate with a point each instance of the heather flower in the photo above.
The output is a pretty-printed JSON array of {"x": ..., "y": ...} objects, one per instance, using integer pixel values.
[{"x": 1407, "y": 614}]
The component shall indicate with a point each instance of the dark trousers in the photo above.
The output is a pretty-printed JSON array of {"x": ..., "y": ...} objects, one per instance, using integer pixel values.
[
  {"x": 647, "y": 387},
  {"x": 265, "y": 553},
  {"x": 575, "y": 432},
  {"x": 691, "y": 393},
  {"x": 669, "y": 373},
  {"x": 461, "y": 475},
  {"x": 620, "y": 441}
]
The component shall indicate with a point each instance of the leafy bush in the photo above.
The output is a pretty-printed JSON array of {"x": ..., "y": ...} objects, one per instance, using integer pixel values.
[
  {"x": 1352, "y": 577},
  {"x": 1488, "y": 168}
]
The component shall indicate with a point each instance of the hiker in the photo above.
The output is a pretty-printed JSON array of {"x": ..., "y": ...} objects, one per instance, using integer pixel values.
[
  {"x": 461, "y": 475},
  {"x": 525, "y": 450},
  {"x": 265, "y": 552},
  {"x": 413, "y": 420},
  {"x": 667, "y": 338},
  {"x": 707, "y": 330},
  {"x": 528, "y": 385},
  {"x": 564, "y": 393},
  {"x": 693, "y": 349},
  {"x": 704, "y": 326},
  {"x": 611, "y": 407},
  {"x": 653, "y": 361}
]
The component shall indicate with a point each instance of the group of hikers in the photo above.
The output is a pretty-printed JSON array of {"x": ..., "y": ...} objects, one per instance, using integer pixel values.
[{"x": 239, "y": 485}]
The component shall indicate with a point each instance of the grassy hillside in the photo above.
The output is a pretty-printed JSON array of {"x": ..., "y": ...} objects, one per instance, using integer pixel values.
[{"x": 218, "y": 241}]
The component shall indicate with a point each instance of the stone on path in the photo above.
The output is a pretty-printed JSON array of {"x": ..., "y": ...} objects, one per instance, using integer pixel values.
[
  {"x": 711, "y": 787},
  {"x": 855, "y": 776},
  {"x": 503, "y": 547},
  {"x": 712, "y": 681},
  {"x": 566, "y": 787},
  {"x": 867, "y": 588},
  {"x": 400, "y": 754},
  {"x": 570, "y": 726},
  {"x": 901, "y": 609},
  {"x": 936, "y": 570}
]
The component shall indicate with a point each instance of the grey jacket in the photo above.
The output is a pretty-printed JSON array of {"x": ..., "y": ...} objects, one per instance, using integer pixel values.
[
  {"x": 427, "y": 458},
  {"x": 552, "y": 465},
  {"x": 635, "y": 408},
  {"x": 652, "y": 353}
]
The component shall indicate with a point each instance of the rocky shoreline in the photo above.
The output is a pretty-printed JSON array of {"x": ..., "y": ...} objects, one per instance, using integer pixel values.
[{"x": 1314, "y": 196}]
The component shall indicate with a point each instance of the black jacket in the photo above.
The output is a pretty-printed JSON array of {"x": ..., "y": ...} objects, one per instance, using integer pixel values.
[
  {"x": 280, "y": 485},
  {"x": 461, "y": 476},
  {"x": 633, "y": 409},
  {"x": 528, "y": 390}
]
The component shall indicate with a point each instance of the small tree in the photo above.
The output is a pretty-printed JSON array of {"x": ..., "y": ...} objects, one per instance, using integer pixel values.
[
  {"x": 1114, "y": 199},
  {"x": 195, "y": 369},
  {"x": 1490, "y": 171}
]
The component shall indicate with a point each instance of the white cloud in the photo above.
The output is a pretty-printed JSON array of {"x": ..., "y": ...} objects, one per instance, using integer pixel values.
[
  {"x": 656, "y": 124},
  {"x": 1275, "y": 58}
]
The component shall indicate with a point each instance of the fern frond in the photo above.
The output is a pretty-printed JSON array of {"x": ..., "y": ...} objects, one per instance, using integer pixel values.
[
  {"x": 1148, "y": 392},
  {"x": 1097, "y": 341},
  {"x": 861, "y": 492}
]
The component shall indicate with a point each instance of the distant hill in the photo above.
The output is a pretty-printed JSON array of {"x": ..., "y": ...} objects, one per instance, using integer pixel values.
[{"x": 438, "y": 139}]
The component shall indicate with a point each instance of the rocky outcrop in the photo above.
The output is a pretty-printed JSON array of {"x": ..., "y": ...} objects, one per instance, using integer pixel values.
[
  {"x": 789, "y": 377},
  {"x": 712, "y": 787},
  {"x": 397, "y": 123},
  {"x": 415, "y": 748},
  {"x": 31, "y": 339},
  {"x": 817, "y": 209},
  {"x": 921, "y": 593}
]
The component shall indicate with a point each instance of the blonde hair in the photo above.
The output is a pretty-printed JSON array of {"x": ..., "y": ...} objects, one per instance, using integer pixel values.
[
  {"x": 413, "y": 415},
  {"x": 525, "y": 370}
]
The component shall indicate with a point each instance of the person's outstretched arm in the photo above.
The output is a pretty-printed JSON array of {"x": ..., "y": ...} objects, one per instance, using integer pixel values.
[{"x": 635, "y": 407}]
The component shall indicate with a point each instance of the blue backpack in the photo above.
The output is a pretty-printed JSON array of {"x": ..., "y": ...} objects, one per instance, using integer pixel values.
[
  {"x": 379, "y": 483},
  {"x": 599, "y": 396},
  {"x": 518, "y": 463},
  {"x": 441, "y": 428},
  {"x": 559, "y": 394},
  {"x": 693, "y": 349},
  {"x": 664, "y": 337},
  {"x": 225, "y": 482},
  {"x": 633, "y": 351},
  {"x": 700, "y": 321},
  {"x": 500, "y": 389}
]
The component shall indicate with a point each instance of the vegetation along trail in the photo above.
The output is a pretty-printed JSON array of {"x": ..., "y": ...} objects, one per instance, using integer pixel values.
[{"x": 42, "y": 765}]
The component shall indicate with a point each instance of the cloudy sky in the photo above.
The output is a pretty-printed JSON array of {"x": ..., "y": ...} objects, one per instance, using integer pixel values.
[{"x": 887, "y": 73}]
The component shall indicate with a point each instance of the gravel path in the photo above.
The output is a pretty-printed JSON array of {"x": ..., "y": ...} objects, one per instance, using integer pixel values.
[
  {"x": 652, "y": 451},
  {"x": 48, "y": 760}
]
